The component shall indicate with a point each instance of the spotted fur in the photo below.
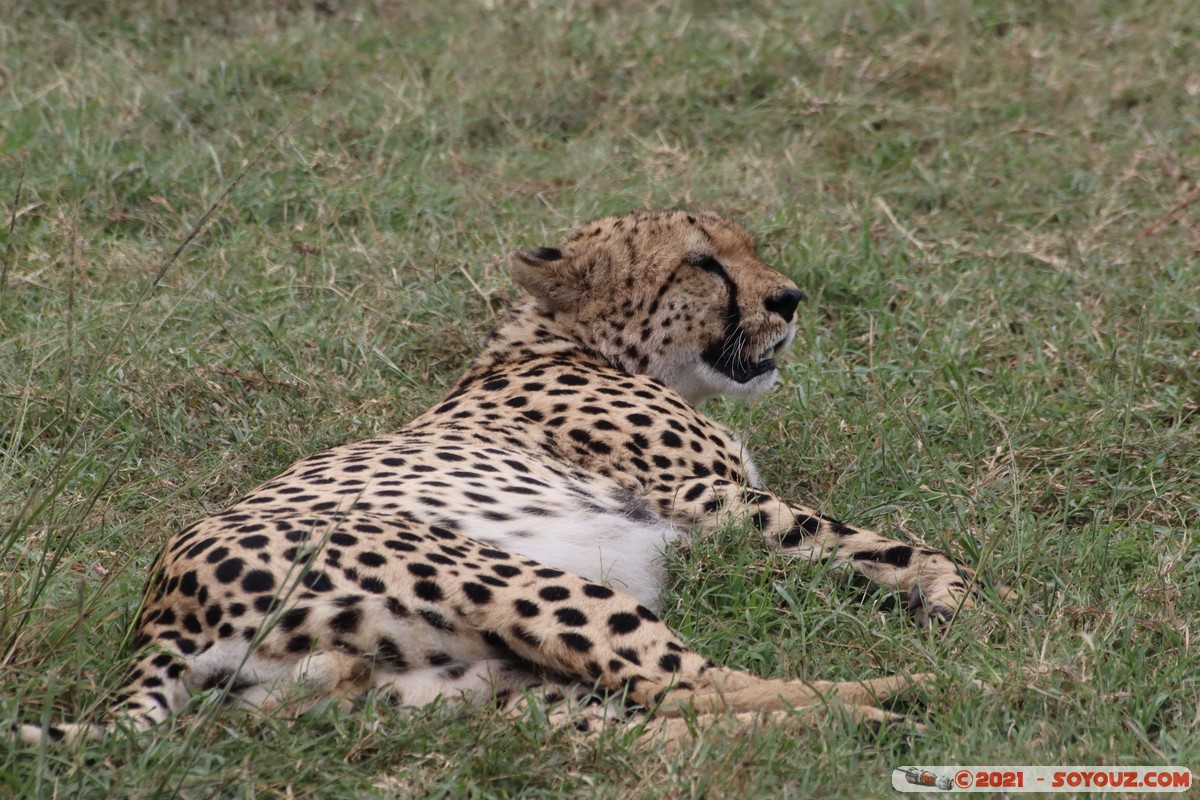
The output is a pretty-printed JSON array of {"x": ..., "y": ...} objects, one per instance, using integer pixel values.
[{"x": 510, "y": 539}]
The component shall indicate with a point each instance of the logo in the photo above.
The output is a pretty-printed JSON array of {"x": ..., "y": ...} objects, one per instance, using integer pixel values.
[
  {"x": 1062, "y": 778},
  {"x": 923, "y": 777}
]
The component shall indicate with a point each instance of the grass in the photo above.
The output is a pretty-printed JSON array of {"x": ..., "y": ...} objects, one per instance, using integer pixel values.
[{"x": 987, "y": 202}]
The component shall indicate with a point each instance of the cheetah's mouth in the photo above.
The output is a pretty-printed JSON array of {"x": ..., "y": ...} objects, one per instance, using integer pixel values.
[{"x": 729, "y": 357}]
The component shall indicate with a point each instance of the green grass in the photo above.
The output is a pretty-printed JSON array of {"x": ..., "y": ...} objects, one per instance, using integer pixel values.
[{"x": 986, "y": 204}]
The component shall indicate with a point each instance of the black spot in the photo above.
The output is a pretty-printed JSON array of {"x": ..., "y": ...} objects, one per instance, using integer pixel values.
[
  {"x": 506, "y": 570},
  {"x": 526, "y": 608},
  {"x": 387, "y": 652},
  {"x": 346, "y": 621},
  {"x": 547, "y": 572},
  {"x": 258, "y": 580},
  {"x": 523, "y": 635},
  {"x": 671, "y": 439},
  {"x": 646, "y": 614},
  {"x": 597, "y": 591},
  {"x": 496, "y": 642},
  {"x": 266, "y": 604},
  {"x": 317, "y": 581},
  {"x": 299, "y": 644},
  {"x": 669, "y": 663},
  {"x": 554, "y": 593},
  {"x": 571, "y": 616},
  {"x": 422, "y": 570},
  {"x": 801, "y": 529},
  {"x": 254, "y": 542},
  {"x": 229, "y": 570},
  {"x": 199, "y": 547},
  {"x": 428, "y": 590},
  {"x": 296, "y": 556},
  {"x": 436, "y": 620},
  {"x": 576, "y": 642},
  {"x": 623, "y": 623},
  {"x": 188, "y": 583},
  {"x": 641, "y": 420},
  {"x": 570, "y": 379},
  {"x": 396, "y": 607},
  {"x": 898, "y": 556},
  {"x": 373, "y": 585},
  {"x": 293, "y": 618},
  {"x": 477, "y": 593},
  {"x": 369, "y": 559},
  {"x": 839, "y": 528}
]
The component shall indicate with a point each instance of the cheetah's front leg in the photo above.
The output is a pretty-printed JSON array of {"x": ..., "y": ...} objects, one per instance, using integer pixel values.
[
  {"x": 597, "y": 637},
  {"x": 934, "y": 584}
]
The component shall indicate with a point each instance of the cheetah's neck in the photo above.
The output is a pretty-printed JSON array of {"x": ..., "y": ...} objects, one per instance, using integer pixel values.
[{"x": 526, "y": 333}]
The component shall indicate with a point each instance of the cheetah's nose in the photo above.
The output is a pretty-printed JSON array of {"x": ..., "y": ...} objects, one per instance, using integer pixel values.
[{"x": 784, "y": 304}]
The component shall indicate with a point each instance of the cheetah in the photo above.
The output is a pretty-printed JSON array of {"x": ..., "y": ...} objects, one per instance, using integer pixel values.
[{"x": 510, "y": 540}]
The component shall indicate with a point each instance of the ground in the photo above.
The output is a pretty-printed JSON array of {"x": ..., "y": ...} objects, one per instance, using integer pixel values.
[{"x": 989, "y": 207}]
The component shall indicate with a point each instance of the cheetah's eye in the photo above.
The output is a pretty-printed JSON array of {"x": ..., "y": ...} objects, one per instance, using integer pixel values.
[{"x": 706, "y": 262}]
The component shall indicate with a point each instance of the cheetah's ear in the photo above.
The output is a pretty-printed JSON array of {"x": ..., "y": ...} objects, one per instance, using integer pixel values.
[{"x": 549, "y": 276}]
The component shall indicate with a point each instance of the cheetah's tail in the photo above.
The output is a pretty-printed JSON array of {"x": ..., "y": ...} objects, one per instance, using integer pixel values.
[{"x": 153, "y": 689}]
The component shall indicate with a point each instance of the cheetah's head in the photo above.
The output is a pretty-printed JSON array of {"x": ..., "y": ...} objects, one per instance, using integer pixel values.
[{"x": 679, "y": 295}]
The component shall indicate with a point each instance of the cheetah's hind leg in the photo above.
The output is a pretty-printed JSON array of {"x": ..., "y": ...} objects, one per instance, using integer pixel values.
[{"x": 317, "y": 679}]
